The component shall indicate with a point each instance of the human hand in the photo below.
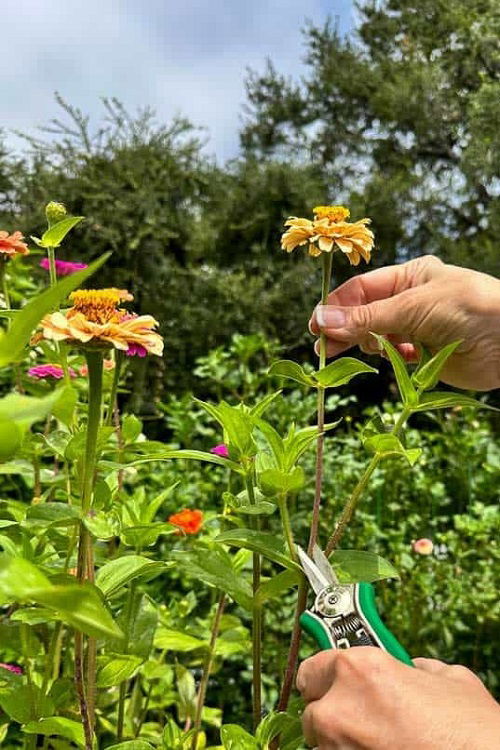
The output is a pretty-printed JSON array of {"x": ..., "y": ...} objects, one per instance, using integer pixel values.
[
  {"x": 424, "y": 301},
  {"x": 363, "y": 699}
]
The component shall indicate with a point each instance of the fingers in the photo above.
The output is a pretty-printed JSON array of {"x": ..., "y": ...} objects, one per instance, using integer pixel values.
[
  {"x": 433, "y": 666},
  {"x": 316, "y": 674}
]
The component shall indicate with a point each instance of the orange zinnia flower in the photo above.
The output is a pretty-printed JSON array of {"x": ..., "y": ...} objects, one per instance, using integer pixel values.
[
  {"x": 12, "y": 244},
  {"x": 190, "y": 521},
  {"x": 329, "y": 231},
  {"x": 96, "y": 320}
]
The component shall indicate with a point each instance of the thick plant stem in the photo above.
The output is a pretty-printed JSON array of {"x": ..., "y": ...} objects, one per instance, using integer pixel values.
[
  {"x": 207, "y": 668},
  {"x": 256, "y": 619},
  {"x": 313, "y": 534},
  {"x": 293, "y": 652},
  {"x": 85, "y": 683},
  {"x": 351, "y": 504}
]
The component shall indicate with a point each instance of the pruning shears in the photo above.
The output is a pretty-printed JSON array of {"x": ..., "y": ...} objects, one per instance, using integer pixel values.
[{"x": 344, "y": 615}]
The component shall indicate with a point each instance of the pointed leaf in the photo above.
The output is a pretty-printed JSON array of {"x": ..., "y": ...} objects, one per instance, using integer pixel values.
[
  {"x": 285, "y": 368},
  {"x": 390, "y": 445},
  {"x": 273, "y": 439},
  {"x": 13, "y": 342},
  {"x": 297, "y": 442},
  {"x": 57, "y": 232},
  {"x": 276, "y": 586},
  {"x": 58, "y": 726},
  {"x": 116, "y": 668},
  {"x": 406, "y": 388},
  {"x": 341, "y": 371},
  {"x": 258, "y": 541},
  {"x": 175, "y": 640},
  {"x": 445, "y": 400},
  {"x": 215, "y": 568},
  {"x": 428, "y": 374},
  {"x": 234, "y": 737},
  {"x": 131, "y": 745},
  {"x": 259, "y": 408},
  {"x": 116, "y": 573},
  {"x": 353, "y": 566},
  {"x": 275, "y": 482},
  {"x": 188, "y": 454}
]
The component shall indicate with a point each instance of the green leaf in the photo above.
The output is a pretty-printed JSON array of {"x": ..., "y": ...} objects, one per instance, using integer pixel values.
[
  {"x": 25, "y": 703},
  {"x": 131, "y": 745},
  {"x": 270, "y": 726},
  {"x": 175, "y": 640},
  {"x": 65, "y": 406},
  {"x": 285, "y": 368},
  {"x": 298, "y": 441},
  {"x": 215, "y": 568},
  {"x": 258, "y": 541},
  {"x": 103, "y": 524},
  {"x": 78, "y": 605},
  {"x": 353, "y": 566},
  {"x": 139, "y": 628},
  {"x": 187, "y": 692},
  {"x": 13, "y": 342},
  {"x": 234, "y": 737},
  {"x": 406, "y": 388},
  {"x": 25, "y": 410},
  {"x": 59, "y": 726},
  {"x": 11, "y": 437},
  {"x": 427, "y": 375},
  {"x": 341, "y": 371},
  {"x": 275, "y": 482},
  {"x": 273, "y": 439},
  {"x": 131, "y": 428},
  {"x": 114, "y": 669},
  {"x": 53, "y": 514},
  {"x": 116, "y": 573},
  {"x": 259, "y": 408},
  {"x": 190, "y": 455},
  {"x": 276, "y": 586},
  {"x": 390, "y": 445},
  {"x": 445, "y": 400},
  {"x": 57, "y": 232}
]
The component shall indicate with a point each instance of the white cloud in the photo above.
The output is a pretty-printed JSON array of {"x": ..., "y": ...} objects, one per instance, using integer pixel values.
[{"x": 178, "y": 57}]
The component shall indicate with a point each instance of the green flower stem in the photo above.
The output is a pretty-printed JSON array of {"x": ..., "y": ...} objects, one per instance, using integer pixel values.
[
  {"x": 5, "y": 286},
  {"x": 256, "y": 617},
  {"x": 52, "y": 266},
  {"x": 351, "y": 504},
  {"x": 287, "y": 526},
  {"x": 207, "y": 668},
  {"x": 129, "y": 607},
  {"x": 313, "y": 534},
  {"x": 85, "y": 569},
  {"x": 30, "y": 741},
  {"x": 114, "y": 387}
]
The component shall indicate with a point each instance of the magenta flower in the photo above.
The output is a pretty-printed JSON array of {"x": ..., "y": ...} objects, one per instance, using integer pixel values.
[
  {"x": 49, "y": 371},
  {"x": 220, "y": 450},
  {"x": 136, "y": 350},
  {"x": 11, "y": 668},
  {"x": 64, "y": 267}
]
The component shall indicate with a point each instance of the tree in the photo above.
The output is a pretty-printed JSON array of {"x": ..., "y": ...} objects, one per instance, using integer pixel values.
[{"x": 401, "y": 119}]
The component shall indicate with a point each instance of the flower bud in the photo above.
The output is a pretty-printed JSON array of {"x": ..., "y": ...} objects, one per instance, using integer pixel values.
[{"x": 55, "y": 212}]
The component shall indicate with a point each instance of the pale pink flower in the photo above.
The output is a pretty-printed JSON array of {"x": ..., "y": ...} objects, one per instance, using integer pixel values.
[
  {"x": 220, "y": 450},
  {"x": 423, "y": 546},
  {"x": 108, "y": 364},
  {"x": 63, "y": 267}
]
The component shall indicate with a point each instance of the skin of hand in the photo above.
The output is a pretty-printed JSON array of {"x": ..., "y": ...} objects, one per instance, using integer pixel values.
[
  {"x": 363, "y": 699},
  {"x": 426, "y": 301}
]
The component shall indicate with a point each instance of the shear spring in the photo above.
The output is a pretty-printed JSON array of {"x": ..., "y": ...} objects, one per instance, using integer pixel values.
[{"x": 349, "y": 624}]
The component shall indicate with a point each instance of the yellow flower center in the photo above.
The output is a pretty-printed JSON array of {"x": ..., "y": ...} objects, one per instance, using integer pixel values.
[
  {"x": 333, "y": 213},
  {"x": 99, "y": 305}
]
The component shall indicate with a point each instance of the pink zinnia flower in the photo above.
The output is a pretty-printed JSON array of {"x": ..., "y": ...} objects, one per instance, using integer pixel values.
[
  {"x": 64, "y": 267},
  {"x": 108, "y": 364},
  {"x": 423, "y": 546},
  {"x": 11, "y": 668},
  {"x": 220, "y": 450},
  {"x": 49, "y": 371},
  {"x": 136, "y": 350}
]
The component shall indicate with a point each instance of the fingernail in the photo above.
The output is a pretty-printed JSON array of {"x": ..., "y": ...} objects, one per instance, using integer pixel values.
[
  {"x": 316, "y": 347},
  {"x": 330, "y": 317},
  {"x": 310, "y": 328}
]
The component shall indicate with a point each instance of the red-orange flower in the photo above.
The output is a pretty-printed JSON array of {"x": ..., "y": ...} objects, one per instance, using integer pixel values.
[
  {"x": 12, "y": 244},
  {"x": 190, "y": 521}
]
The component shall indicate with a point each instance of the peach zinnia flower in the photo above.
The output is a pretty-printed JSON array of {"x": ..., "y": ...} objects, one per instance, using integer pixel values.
[
  {"x": 423, "y": 546},
  {"x": 12, "y": 244},
  {"x": 96, "y": 320},
  {"x": 329, "y": 231},
  {"x": 190, "y": 521},
  {"x": 108, "y": 364}
]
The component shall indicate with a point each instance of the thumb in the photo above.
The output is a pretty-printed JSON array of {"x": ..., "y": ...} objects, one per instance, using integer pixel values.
[{"x": 352, "y": 324}]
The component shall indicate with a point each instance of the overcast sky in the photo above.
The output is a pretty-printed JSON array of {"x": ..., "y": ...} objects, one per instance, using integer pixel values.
[{"x": 185, "y": 57}]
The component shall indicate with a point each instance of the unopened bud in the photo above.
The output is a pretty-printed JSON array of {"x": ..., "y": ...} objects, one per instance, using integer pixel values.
[{"x": 55, "y": 212}]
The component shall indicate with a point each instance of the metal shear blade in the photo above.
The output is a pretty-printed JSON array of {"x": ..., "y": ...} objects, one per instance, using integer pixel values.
[{"x": 318, "y": 571}]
